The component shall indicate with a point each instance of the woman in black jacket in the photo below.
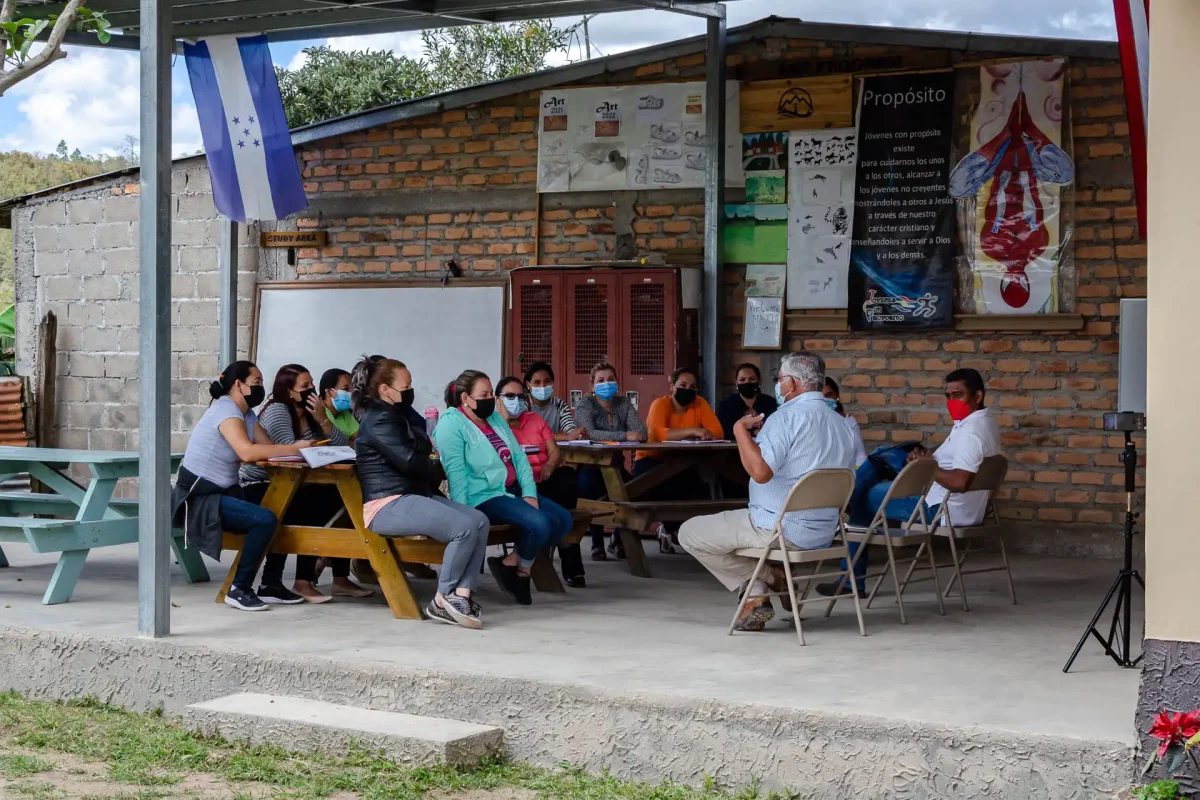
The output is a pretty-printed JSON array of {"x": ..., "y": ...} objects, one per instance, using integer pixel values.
[{"x": 396, "y": 473}]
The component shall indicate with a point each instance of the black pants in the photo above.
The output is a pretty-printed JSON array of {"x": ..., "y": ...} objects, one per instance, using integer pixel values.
[
  {"x": 314, "y": 504},
  {"x": 563, "y": 489}
]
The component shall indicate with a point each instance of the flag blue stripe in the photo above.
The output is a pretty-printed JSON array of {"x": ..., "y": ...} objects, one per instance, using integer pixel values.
[
  {"x": 287, "y": 187},
  {"x": 227, "y": 193}
]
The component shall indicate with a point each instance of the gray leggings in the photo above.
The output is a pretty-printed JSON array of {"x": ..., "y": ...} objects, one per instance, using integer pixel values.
[{"x": 463, "y": 529}]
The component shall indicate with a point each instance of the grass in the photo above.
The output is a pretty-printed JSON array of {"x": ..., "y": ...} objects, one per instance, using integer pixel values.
[{"x": 150, "y": 751}]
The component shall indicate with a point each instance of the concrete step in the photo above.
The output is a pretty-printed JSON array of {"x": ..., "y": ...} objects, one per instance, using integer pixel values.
[{"x": 300, "y": 725}]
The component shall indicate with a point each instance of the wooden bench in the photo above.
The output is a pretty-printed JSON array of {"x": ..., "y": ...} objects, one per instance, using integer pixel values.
[
  {"x": 349, "y": 543},
  {"x": 630, "y": 518}
]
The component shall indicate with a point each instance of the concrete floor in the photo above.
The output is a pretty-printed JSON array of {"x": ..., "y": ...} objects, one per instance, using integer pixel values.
[{"x": 997, "y": 667}]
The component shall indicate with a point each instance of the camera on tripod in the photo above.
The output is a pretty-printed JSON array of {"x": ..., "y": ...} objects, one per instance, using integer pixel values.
[{"x": 1131, "y": 396}]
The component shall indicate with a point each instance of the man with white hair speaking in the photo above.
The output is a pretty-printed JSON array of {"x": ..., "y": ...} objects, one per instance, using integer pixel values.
[{"x": 803, "y": 435}]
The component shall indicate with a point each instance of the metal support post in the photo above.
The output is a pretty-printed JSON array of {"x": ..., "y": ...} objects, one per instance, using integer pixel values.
[
  {"x": 714, "y": 200},
  {"x": 154, "y": 318},
  {"x": 227, "y": 266}
]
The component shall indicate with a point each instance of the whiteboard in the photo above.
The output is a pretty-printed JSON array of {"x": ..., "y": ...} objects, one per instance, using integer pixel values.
[{"x": 436, "y": 331}]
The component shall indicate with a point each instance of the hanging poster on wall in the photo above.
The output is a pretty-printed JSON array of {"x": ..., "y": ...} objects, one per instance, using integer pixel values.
[
  {"x": 902, "y": 256},
  {"x": 1011, "y": 186},
  {"x": 631, "y": 137},
  {"x": 820, "y": 209}
]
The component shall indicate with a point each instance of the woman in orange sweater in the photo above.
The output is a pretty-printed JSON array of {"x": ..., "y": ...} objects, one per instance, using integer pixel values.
[{"x": 681, "y": 415}]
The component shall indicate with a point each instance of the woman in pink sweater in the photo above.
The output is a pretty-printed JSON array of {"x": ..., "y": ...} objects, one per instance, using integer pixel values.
[{"x": 554, "y": 480}]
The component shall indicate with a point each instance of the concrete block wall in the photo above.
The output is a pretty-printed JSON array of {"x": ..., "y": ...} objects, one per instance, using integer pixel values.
[{"x": 76, "y": 254}]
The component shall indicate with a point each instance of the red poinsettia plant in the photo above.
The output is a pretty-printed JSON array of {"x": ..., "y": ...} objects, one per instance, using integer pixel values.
[{"x": 1179, "y": 737}]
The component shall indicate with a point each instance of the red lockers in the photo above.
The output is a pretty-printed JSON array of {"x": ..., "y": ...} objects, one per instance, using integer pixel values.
[{"x": 638, "y": 319}]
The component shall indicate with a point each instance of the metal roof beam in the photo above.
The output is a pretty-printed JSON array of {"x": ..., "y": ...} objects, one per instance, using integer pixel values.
[{"x": 694, "y": 8}]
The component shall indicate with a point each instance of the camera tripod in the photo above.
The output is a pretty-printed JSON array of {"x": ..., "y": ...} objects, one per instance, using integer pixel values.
[{"x": 1122, "y": 588}]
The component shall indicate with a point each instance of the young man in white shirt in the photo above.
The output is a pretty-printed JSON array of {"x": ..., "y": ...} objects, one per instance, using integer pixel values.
[{"x": 974, "y": 437}]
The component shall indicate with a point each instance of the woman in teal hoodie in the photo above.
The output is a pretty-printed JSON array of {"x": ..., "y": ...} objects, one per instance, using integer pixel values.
[{"x": 487, "y": 469}]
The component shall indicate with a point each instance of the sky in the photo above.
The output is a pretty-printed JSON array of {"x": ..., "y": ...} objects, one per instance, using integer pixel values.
[{"x": 90, "y": 98}]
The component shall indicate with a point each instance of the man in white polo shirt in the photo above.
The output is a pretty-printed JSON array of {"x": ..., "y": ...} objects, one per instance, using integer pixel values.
[{"x": 974, "y": 437}]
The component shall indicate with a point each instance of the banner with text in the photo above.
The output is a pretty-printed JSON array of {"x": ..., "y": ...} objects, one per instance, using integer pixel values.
[{"x": 902, "y": 256}]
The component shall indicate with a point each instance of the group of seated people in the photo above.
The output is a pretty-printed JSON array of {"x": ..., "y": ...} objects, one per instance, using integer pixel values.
[{"x": 497, "y": 445}]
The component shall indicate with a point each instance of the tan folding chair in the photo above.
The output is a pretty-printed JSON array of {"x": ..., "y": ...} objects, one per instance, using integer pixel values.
[
  {"x": 821, "y": 488},
  {"x": 989, "y": 478},
  {"x": 915, "y": 480}
]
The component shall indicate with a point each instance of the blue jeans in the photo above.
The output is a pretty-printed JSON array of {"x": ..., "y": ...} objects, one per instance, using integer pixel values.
[
  {"x": 541, "y": 527},
  {"x": 258, "y": 525},
  {"x": 869, "y": 493}
]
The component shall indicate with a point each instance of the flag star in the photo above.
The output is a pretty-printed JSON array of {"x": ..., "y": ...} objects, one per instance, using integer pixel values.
[
  {"x": 256, "y": 144},
  {"x": 246, "y": 131},
  {"x": 241, "y": 144},
  {"x": 251, "y": 120},
  {"x": 237, "y": 121}
]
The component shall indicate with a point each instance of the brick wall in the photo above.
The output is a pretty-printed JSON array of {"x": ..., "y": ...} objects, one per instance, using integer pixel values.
[{"x": 77, "y": 255}]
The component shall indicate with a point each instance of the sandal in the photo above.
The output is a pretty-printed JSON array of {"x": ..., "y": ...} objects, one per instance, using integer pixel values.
[{"x": 353, "y": 590}]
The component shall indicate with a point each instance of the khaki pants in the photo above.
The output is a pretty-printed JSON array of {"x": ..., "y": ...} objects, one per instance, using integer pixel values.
[{"x": 713, "y": 539}]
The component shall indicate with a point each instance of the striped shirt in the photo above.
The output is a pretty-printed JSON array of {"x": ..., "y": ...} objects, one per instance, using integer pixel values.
[
  {"x": 803, "y": 435},
  {"x": 557, "y": 414},
  {"x": 276, "y": 420}
]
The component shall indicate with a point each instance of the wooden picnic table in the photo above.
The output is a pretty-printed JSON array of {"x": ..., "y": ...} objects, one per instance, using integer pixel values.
[
  {"x": 386, "y": 553},
  {"x": 74, "y": 519},
  {"x": 622, "y": 509}
]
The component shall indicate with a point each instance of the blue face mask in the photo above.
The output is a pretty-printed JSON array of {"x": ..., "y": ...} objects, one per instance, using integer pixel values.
[
  {"x": 515, "y": 406},
  {"x": 542, "y": 393},
  {"x": 779, "y": 394},
  {"x": 341, "y": 401},
  {"x": 831, "y": 402},
  {"x": 606, "y": 390}
]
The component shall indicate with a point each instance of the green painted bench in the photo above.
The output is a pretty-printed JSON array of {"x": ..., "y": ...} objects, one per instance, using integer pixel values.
[{"x": 84, "y": 517}]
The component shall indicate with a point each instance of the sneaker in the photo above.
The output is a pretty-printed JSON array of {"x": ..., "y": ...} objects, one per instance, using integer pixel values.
[
  {"x": 279, "y": 595},
  {"x": 244, "y": 600},
  {"x": 598, "y": 554},
  {"x": 576, "y": 581},
  {"x": 755, "y": 616},
  {"x": 615, "y": 548},
  {"x": 506, "y": 577},
  {"x": 454, "y": 610}
]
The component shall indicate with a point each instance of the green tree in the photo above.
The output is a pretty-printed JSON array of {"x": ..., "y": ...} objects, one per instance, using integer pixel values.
[
  {"x": 19, "y": 31},
  {"x": 333, "y": 83},
  {"x": 60, "y": 152}
]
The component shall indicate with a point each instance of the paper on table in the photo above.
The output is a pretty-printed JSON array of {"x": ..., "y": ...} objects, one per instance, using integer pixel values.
[
  {"x": 323, "y": 456},
  {"x": 575, "y": 443},
  {"x": 286, "y": 459}
]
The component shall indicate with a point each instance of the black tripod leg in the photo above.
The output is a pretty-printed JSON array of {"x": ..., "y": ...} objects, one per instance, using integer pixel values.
[
  {"x": 1138, "y": 577},
  {"x": 1115, "y": 629},
  {"x": 1091, "y": 628}
]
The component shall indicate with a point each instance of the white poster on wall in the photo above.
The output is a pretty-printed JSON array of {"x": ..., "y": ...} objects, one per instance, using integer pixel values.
[
  {"x": 636, "y": 137},
  {"x": 821, "y": 175}
]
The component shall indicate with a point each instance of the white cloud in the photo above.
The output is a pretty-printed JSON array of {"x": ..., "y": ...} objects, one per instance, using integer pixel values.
[
  {"x": 90, "y": 100},
  {"x": 407, "y": 43}
]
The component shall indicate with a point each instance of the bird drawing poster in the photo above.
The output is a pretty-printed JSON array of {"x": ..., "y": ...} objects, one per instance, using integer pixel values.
[
  {"x": 1010, "y": 188},
  {"x": 820, "y": 212}
]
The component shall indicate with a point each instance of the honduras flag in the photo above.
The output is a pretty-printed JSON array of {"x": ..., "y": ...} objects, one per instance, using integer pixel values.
[{"x": 250, "y": 158}]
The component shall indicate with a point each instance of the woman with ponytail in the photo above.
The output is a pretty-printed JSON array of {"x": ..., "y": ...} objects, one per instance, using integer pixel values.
[
  {"x": 486, "y": 468},
  {"x": 207, "y": 499},
  {"x": 397, "y": 477}
]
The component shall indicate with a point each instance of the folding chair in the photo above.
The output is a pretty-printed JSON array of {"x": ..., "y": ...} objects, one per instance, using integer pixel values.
[
  {"x": 915, "y": 480},
  {"x": 822, "y": 488},
  {"x": 988, "y": 479}
]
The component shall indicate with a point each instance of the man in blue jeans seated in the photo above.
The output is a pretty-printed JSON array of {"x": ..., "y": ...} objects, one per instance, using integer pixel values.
[{"x": 974, "y": 437}]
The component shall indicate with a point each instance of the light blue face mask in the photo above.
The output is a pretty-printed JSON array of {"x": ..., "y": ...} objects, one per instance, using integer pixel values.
[
  {"x": 779, "y": 394},
  {"x": 831, "y": 402},
  {"x": 341, "y": 401},
  {"x": 542, "y": 393},
  {"x": 606, "y": 390},
  {"x": 515, "y": 406}
]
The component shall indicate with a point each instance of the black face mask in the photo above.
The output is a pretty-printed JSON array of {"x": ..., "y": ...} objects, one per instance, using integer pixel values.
[
  {"x": 685, "y": 396},
  {"x": 256, "y": 396},
  {"x": 407, "y": 397},
  {"x": 307, "y": 393},
  {"x": 485, "y": 408},
  {"x": 748, "y": 390}
]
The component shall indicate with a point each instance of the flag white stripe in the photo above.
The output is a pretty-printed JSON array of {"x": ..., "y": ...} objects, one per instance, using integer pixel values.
[{"x": 251, "y": 162}]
